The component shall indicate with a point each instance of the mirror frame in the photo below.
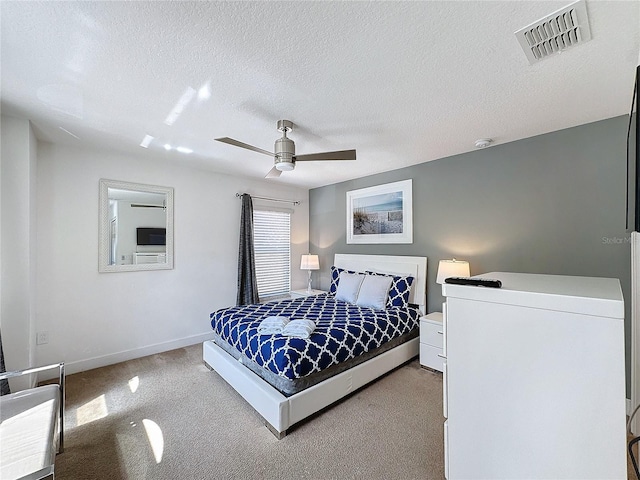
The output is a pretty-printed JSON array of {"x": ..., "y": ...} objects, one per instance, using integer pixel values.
[{"x": 104, "y": 227}]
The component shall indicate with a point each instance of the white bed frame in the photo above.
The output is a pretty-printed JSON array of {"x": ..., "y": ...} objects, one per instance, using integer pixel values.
[{"x": 280, "y": 412}]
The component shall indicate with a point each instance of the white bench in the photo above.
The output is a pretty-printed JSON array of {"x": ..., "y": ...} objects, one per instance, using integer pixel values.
[{"x": 32, "y": 428}]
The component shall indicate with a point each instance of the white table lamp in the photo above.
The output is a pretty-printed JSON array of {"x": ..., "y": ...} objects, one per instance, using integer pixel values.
[
  {"x": 452, "y": 268},
  {"x": 309, "y": 262}
]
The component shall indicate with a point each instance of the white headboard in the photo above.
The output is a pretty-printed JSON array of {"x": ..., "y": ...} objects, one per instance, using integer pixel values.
[{"x": 398, "y": 265}]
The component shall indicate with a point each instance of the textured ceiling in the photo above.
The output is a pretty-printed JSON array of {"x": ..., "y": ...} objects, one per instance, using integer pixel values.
[{"x": 401, "y": 82}]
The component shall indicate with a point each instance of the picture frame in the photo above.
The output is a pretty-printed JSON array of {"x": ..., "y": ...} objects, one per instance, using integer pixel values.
[{"x": 381, "y": 214}]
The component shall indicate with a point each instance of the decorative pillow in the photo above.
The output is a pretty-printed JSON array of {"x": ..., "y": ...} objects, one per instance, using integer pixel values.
[
  {"x": 399, "y": 290},
  {"x": 374, "y": 291},
  {"x": 335, "y": 275},
  {"x": 349, "y": 286}
]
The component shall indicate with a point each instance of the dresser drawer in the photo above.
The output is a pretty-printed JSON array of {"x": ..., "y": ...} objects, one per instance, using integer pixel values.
[
  {"x": 444, "y": 328},
  {"x": 431, "y": 333},
  {"x": 445, "y": 391},
  {"x": 429, "y": 357}
]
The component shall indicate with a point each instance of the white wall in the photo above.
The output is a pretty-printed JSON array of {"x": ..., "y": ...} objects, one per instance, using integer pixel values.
[
  {"x": 95, "y": 319},
  {"x": 17, "y": 245}
]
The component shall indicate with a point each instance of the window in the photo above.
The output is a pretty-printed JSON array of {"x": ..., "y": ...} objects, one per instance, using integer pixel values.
[{"x": 272, "y": 247}]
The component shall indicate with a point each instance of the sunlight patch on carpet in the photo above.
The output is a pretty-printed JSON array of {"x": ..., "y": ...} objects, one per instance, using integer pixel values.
[
  {"x": 134, "y": 383},
  {"x": 156, "y": 440},
  {"x": 92, "y": 411}
]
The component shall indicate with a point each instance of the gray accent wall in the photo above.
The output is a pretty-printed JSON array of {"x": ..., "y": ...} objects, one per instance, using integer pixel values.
[{"x": 552, "y": 204}]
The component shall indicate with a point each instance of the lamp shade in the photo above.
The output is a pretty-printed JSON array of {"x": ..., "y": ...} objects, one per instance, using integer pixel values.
[
  {"x": 452, "y": 268},
  {"x": 309, "y": 262}
]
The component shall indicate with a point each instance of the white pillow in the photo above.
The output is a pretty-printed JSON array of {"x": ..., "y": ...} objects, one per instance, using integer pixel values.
[
  {"x": 348, "y": 286},
  {"x": 374, "y": 291}
]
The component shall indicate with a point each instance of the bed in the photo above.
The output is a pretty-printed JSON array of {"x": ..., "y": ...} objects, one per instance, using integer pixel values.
[{"x": 288, "y": 379}]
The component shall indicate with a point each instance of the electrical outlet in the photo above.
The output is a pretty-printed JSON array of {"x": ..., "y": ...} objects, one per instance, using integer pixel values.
[{"x": 42, "y": 338}]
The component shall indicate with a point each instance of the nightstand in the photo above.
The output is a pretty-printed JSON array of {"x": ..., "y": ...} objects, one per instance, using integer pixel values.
[
  {"x": 303, "y": 293},
  {"x": 431, "y": 341}
]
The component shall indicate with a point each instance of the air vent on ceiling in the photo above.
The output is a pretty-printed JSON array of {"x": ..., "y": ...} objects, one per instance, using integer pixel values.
[{"x": 556, "y": 32}]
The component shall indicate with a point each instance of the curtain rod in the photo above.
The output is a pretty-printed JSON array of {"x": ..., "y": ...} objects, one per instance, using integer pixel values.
[{"x": 295, "y": 202}]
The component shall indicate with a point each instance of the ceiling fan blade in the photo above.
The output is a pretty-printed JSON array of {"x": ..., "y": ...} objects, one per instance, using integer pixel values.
[
  {"x": 339, "y": 155},
  {"x": 273, "y": 173},
  {"x": 237, "y": 143}
]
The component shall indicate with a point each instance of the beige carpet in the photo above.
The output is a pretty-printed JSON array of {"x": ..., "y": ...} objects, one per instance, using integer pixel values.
[{"x": 167, "y": 416}]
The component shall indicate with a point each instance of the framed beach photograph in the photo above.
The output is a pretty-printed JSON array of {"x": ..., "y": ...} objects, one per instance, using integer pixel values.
[{"x": 381, "y": 214}]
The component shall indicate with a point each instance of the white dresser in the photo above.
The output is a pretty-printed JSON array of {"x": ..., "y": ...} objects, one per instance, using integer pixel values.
[
  {"x": 305, "y": 293},
  {"x": 534, "y": 379},
  {"x": 431, "y": 341},
  {"x": 149, "y": 257}
]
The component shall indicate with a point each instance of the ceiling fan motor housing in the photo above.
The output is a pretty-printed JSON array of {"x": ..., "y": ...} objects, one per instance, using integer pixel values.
[{"x": 284, "y": 150}]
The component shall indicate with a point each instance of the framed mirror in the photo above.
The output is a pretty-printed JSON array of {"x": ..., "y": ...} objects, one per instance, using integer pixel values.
[{"x": 136, "y": 227}]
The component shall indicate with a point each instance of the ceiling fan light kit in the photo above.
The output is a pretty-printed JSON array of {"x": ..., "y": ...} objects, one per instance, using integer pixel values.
[
  {"x": 284, "y": 166},
  {"x": 284, "y": 155}
]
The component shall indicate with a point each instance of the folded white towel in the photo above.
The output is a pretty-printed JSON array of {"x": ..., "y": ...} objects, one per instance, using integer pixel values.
[
  {"x": 299, "y": 328},
  {"x": 272, "y": 325}
]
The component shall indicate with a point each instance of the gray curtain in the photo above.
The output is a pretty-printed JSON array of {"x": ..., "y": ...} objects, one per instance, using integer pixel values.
[
  {"x": 4, "y": 384},
  {"x": 247, "y": 284}
]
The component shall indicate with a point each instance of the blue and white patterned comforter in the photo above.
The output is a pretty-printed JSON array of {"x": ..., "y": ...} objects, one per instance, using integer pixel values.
[{"x": 343, "y": 331}]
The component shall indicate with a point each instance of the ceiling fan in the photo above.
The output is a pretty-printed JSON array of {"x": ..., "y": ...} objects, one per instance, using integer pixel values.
[{"x": 284, "y": 155}]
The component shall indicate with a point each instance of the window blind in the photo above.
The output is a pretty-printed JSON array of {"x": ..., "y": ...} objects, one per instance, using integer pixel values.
[{"x": 272, "y": 248}]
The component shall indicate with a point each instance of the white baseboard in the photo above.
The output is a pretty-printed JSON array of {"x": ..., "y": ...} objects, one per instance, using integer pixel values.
[{"x": 123, "y": 356}]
